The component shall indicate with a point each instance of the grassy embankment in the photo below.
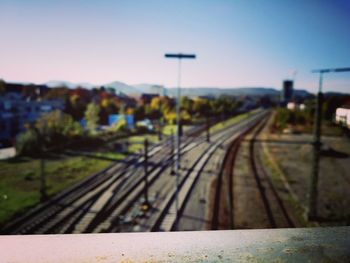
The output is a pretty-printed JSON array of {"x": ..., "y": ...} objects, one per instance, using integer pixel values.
[
  {"x": 20, "y": 180},
  {"x": 231, "y": 121},
  {"x": 20, "y": 177}
]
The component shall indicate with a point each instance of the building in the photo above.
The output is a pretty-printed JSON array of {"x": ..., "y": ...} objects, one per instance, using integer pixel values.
[
  {"x": 342, "y": 116},
  {"x": 287, "y": 92},
  {"x": 17, "y": 110},
  {"x": 295, "y": 106}
]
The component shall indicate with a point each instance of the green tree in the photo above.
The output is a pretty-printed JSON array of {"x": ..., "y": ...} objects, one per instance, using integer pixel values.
[
  {"x": 27, "y": 143},
  {"x": 51, "y": 130},
  {"x": 201, "y": 107},
  {"x": 187, "y": 104},
  {"x": 92, "y": 117}
]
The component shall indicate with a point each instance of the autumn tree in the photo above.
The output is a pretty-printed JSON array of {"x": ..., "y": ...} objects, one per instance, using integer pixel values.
[
  {"x": 108, "y": 107},
  {"x": 92, "y": 117},
  {"x": 201, "y": 107},
  {"x": 140, "y": 113},
  {"x": 51, "y": 130}
]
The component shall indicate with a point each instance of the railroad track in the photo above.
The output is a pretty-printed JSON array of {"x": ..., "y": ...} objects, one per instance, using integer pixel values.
[
  {"x": 167, "y": 220},
  {"x": 36, "y": 219},
  {"x": 108, "y": 219},
  {"x": 226, "y": 172},
  {"x": 93, "y": 205},
  {"x": 276, "y": 211},
  {"x": 77, "y": 200}
]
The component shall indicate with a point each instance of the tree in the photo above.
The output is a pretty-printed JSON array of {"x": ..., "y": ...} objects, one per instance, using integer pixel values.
[
  {"x": 187, "y": 104},
  {"x": 108, "y": 107},
  {"x": 139, "y": 113},
  {"x": 155, "y": 103},
  {"x": 2, "y": 87},
  {"x": 51, "y": 130},
  {"x": 92, "y": 117},
  {"x": 27, "y": 143},
  {"x": 170, "y": 117},
  {"x": 201, "y": 107}
]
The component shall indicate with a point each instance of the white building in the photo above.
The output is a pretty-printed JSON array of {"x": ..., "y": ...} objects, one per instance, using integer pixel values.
[
  {"x": 294, "y": 106},
  {"x": 342, "y": 116}
]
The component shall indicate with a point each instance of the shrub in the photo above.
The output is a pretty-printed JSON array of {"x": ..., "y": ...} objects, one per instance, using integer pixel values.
[{"x": 27, "y": 143}]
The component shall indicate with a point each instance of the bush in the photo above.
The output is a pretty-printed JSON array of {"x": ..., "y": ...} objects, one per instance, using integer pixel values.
[
  {"x": 27, "y": 143},
  {"x": 297, "y": 119}
]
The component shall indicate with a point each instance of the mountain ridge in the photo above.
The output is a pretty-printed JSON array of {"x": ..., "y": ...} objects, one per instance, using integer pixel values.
[{"x": 138, "y": 89}]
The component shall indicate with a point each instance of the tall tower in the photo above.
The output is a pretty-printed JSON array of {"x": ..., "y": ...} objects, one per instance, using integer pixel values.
[{"x": 287, "y": 92}]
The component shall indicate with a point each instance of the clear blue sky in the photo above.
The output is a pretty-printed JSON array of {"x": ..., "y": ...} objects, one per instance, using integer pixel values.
[{"x": 238, "y": 43}]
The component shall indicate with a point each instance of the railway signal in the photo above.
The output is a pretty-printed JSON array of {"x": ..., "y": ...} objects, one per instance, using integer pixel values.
[
  {"x": 313, "y": 192},
  {"x": 178, "y": 56}
]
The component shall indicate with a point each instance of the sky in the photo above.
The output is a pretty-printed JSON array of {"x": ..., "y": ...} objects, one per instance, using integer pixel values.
[{"x": 237, "y": 43}]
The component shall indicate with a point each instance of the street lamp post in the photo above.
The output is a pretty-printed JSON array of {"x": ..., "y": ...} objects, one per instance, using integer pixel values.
[
  {"x": 313, "y": 191},
  {"x": 178, "y": 56}
]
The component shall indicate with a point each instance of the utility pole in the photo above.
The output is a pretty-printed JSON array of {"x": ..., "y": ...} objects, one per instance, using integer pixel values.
[
  {"x": 178, "y": 56},
  {"x": 146, "y": 203},
  {"x": 313, "y": 189},
  {"x": 208, "y": 128},
  {"x": 43, "y": 193},
  {"x": 316, "y": 153},
  {"x": 161, "y": 119},
  {"x": 172, "y": 153},
  {"x": 160, "y": 137}
]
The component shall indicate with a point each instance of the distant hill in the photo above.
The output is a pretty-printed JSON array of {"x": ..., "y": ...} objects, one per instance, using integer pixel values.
[
  {"x": 302, "y": 93},
  {"x": 206, "y": 91},
  {"x": 138, "y": 89},
  {"x": 144, "y": 88},
  {"x": 335, "y": 93},
  {"x": 121, "y": 87}
]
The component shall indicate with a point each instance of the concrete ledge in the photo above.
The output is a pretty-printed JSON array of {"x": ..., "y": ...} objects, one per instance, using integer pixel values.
[{"x": 268, "y": 245}]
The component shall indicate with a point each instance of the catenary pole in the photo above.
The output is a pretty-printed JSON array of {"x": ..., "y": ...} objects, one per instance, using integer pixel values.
[{"x": 178, "y": 56}]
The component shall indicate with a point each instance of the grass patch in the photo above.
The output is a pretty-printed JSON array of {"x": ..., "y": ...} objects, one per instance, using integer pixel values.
[
  {"x": 20, "y": 177},
  {"x": 139, "y": 139},
  {"x": 167, "y": 129},
  {"x": 136, "y": 143},
  {"x": 111, "y": 155},
  {"x": 20, "y": 180}
]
